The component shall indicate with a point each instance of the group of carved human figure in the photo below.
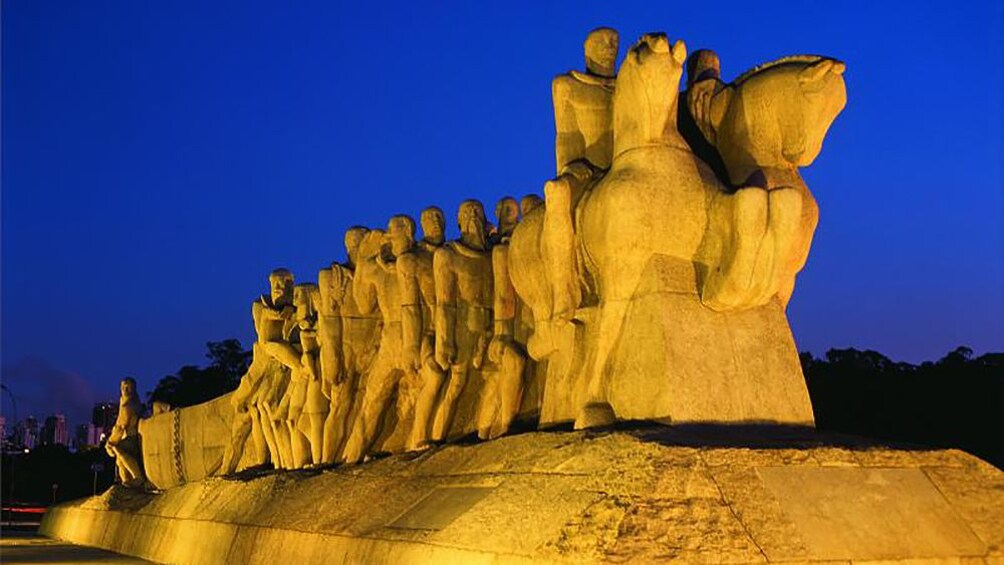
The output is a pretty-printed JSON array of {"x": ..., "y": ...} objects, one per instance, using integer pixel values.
[
  {"x": 706, "y": 179},
  {"x": 397, "y": 328}
]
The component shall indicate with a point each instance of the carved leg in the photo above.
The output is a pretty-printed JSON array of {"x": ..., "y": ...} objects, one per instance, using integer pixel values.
[
  {"x": 380, "y": 386},
  {"x": 240, "y": 430},
  {"x": 329, "y": 447},
  {"x": 260, "y": 456},
  {"x": 299, "y": 445},
  {"x": 130, "y": 467},
  {"x": 432, "y": 383},
  {"x": 263, "y": 422},
  {"x": 312, "y": 426},
  {"x": 444, "y": 415},
  {"x": 282, "y": 440},
  {"x": 336, "y": 427},
  {"x": 784, "y": 221},
  {"x": 798, "y": 253},
  {"x": 488, "y": 407},
  {"x": 510, "y": 390},
  {"x": 742, "y": 217},
  {"x": 619, "y": 283},
  {"x": 558, "y": 245}
]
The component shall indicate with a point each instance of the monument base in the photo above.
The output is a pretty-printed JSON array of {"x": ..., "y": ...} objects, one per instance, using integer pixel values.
[{"x": 644, "y": 494}]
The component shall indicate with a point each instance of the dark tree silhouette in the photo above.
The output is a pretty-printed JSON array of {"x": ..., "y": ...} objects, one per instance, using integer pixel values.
[
  {"x": 957, "y": 401},
  {"x": 193, "y": 385}
]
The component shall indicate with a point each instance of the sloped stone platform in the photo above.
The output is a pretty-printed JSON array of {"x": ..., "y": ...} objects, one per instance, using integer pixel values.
[{"x": 651, "y": 494}]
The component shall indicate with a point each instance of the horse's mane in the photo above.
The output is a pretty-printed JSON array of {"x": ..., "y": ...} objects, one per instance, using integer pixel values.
[{"x": 790, "y": 59}]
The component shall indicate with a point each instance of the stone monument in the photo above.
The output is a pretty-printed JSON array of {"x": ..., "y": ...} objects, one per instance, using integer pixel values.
[{"x": 641, "y": 301}]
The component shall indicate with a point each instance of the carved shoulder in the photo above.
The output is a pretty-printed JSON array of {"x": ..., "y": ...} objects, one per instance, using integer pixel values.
[{"x": 407, "y": 264}]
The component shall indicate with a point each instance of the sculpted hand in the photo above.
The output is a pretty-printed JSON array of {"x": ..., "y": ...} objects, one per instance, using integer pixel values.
[
  {"x": 479, "y": 352},
  {"x": 414, "y": 358},
  {"x": 496, "y": 349},
  {"x": 446, "y": 354}
]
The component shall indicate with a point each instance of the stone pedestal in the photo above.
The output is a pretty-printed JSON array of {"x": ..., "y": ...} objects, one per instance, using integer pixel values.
[{"x": 652, "y": 494}]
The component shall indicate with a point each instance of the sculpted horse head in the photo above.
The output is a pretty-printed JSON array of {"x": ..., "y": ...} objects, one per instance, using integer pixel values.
[
  {"x": 672, "y": 256},
  {"x": 775, "y": 116}
]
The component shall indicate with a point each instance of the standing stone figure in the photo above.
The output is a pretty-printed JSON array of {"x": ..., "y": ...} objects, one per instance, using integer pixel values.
[
  {"x": 500, "y": 399},
  {"x": 415, "y": 271},
  {"x": 273, "y": 315},
  {"x": 124, "y": 441},
  {"x": 582, "y": 104},
  {"x": 463, "y": 279},
  {"x": 583, "y": 118},
  {"x": 306, "y": 297},
  {"x": 349, "y": 341},
  {"x": 254, "y": 389},
  {"x": 375, "y": 287}
]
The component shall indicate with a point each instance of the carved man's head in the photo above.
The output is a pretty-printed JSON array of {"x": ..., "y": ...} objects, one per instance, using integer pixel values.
[
  {"x": 280, "y": 283},
  {"x": 507, "y": 214},
  {"x": 703, "y": 64},
  {"x": 471, "y": 220},
  {"x": 370, "y": 246},
  {"x": 401, "y": 234},
  {"x": 601, "y": 51},
  {"x": 353, "y": 237},
  {"x": 529, "y": 203},
  {"x": 303, "y": 298},
  {"x": 128, "y": 387},
  {"x": 433, "y": 226}
]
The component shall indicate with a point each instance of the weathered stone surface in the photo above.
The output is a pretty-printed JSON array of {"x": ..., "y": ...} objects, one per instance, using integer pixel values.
[{"x": 651, "y": 494}]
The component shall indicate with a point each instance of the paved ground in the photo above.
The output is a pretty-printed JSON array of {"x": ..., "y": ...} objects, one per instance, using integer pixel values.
[{"x": 29, "y": 547}]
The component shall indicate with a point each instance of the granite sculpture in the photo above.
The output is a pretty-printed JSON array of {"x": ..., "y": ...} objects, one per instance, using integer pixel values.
[
  {"x": 124, "y": 440},
  {"x": 649, "y": 282}
]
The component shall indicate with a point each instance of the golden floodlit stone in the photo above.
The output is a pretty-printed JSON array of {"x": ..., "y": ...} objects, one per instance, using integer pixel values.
[{"x": 648, "y": 284}]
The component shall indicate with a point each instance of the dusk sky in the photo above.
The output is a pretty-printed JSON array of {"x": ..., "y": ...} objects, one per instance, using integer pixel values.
[{"x": 160, "y": 158}]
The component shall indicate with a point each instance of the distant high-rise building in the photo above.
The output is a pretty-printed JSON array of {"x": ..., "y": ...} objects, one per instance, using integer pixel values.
[
  {"x": 85, "y": 436},
  {"x": 26, "y": 433},
  {"x": 103, "y": 416},
  {"x": 5, "y": 442},
  {"x": 55, "y": 432}
]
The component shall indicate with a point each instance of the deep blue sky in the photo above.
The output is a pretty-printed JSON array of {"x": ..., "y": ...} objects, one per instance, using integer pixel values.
[{"x": 159, "y": 158}]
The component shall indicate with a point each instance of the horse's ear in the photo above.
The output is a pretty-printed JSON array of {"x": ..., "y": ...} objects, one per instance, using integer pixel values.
[
  {"x": 818, "y": 70},
  {"x": 679, "y": 51}
]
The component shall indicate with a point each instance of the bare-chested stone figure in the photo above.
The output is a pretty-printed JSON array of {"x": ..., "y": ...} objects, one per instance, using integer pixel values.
[
  {"x": 350, "y": 338},
  {"x": 291, "y": 407},
  {"x": 314, "y": 410},
  {"x": 500, "y": 399},
  {"x": 463, "y": 279},
  {"x": 274, "y": 322},
  {"x": 124, "y": 441},
  {"x": 247, "y": 425},
  {"x": 376, "y": 287},
  {"x": 415, "y": 273},
  {"x": 583, "y": 109},
  {"x": 583, "y": 118}
]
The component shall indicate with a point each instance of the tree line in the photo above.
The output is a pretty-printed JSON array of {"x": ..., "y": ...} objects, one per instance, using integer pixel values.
[{"x": 956, "y": 401}]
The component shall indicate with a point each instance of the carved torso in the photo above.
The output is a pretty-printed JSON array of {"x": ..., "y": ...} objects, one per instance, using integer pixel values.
[{"x": 583, "y": 118}]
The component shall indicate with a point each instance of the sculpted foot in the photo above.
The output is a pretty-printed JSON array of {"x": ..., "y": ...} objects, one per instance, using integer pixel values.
[{"x": 595, "y": 415}]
